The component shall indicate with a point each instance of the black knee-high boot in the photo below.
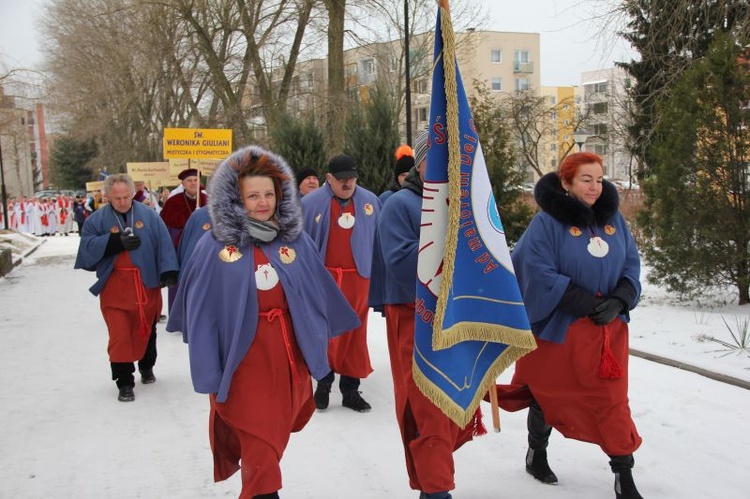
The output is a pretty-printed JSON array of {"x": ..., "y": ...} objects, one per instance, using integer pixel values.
[
  {"x": 622, "y": 467},
  {"x": 536, "y": 457}
]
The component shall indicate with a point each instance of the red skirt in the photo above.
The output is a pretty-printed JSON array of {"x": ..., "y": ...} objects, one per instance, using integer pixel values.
[
  {"x": 270, "y": 397},
  {"x": 348, "y": 353},
  {"x": 429, "y": 436},
  {"x": 564, "y": 379},
  {"x": 129, "y": 309}
]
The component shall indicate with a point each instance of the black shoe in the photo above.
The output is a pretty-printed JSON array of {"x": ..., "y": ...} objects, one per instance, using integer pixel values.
[
  {"x": 272, "y": 495},
  {"x": 537, "y": 466},
  {"x": 322, "y": 395},
  {"x": 126, "y": 394},
  {"x": 435, "y": 495},
  {"x": 355, "y": 402},
  {"x": 147, "y": 376}
]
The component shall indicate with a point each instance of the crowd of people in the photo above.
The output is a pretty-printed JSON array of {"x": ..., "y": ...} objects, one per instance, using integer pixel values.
[{"x": 272, "y": 275}]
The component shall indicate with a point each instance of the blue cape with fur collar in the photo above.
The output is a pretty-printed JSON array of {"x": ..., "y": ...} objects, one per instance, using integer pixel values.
[{"x": 216, "y": 307}]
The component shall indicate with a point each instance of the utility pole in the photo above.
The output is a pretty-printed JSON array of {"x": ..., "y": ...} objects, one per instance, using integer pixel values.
[{"x": 407, "y": 72}]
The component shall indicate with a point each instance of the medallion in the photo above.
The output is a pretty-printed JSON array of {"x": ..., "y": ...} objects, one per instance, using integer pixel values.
[
  {"x": 598, "y": 247},
  {"x": 266, "y": 277},
  {"x": 346, "y": 221}
]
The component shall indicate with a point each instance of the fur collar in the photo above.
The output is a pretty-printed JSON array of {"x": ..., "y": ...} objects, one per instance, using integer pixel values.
[
  {"x": 550, "y": 196},
  {"x": 229, "y": 221}
]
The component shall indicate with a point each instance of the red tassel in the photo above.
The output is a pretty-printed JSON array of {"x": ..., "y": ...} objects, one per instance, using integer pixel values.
[
  {"x": 609, "y": 368},
  {"x": 479, "y": 428}
]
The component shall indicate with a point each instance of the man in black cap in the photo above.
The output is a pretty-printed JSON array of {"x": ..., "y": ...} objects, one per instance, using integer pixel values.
[
  {"x": 307, "y": 181},
  {"x": 341, "y": 218},
  {"x": 404, "y": 162},
  {"x": 178, "y": 209}
]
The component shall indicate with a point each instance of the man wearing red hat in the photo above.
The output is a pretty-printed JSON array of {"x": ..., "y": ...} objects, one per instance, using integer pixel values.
[{"x": 178, "y": 209}]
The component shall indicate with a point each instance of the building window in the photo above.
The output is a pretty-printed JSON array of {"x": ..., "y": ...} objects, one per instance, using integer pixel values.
[
  {"x": 421, "y": 86},
  {"x": 552, "y": 100},
  {"x": 497, "y": 84},
  {"x": 553, "y": 147},
  {"x": 422, "y": 114},
  {"x": 600, "y": 129},
  {"x": 496, "y": 56},
  {"x": 599, "y": 108},
  {"x": 522, "y": 84},
  {"x": 600, "y": 88},
  {"x": 600, "y": 149},
  {"x": 368, "y": 65},
  {"x": 521, "y": 56}
]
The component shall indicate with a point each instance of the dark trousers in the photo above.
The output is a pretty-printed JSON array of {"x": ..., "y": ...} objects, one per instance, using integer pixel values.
[
  {"x": 347, "y": 384},
  {"x": 122, "y": 372}
]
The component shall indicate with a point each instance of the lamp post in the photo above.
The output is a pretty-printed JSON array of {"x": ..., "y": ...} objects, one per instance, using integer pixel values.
[
  {"x": 580, "y": 137},
  {"x": 407, "y": 72},
  {"x": 2, "y": 187}
]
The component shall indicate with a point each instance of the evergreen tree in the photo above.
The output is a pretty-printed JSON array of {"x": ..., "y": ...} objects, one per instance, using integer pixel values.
[
  {"x": 69, "y": 160},
  {"x": 371, "y": 137},
  {"x": 300, "y": 142},
  {"x": 497, "y": 146},
  {"x": 697, "y": 207}
]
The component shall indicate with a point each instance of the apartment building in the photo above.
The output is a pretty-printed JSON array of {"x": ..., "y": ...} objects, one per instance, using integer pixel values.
[
  {"x": 503, "y": 61},
  {"x": 18, "y": 146},
  {"x": 604, "y": 105},
  {"x": 564, "y": 117}
]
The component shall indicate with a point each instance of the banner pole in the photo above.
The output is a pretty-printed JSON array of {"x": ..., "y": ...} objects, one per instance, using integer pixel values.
[{"x": 495, "y": 409}]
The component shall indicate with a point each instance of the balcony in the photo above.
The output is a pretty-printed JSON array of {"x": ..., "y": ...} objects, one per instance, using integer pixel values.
[{"x": 523, "y": 67}]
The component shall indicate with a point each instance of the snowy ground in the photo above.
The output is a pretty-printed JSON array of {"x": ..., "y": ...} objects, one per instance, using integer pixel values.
[{"x": 65, "y": 435}]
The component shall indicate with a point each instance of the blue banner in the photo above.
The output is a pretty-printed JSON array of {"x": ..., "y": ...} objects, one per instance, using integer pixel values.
[{"x": 470, "y": 319}]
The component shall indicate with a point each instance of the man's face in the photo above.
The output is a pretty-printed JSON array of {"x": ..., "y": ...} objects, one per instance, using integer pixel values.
[
  {"x": 309, "y": 184},
  {"x": 191, "y": 185},
  {"x": 121, "y": 197},
  {"x": 342, "y": 189}
]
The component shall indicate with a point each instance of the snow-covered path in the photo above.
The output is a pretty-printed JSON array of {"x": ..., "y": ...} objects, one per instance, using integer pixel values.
[{"x": 65, "y": 435}]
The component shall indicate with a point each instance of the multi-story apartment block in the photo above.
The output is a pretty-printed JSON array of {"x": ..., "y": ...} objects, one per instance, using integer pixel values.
[
  {"x": 18, "y": 145},
  {"x": 504, "y": 62},
  {"x": 604, "y": 103},
  {"x": 564, "y": 116}
]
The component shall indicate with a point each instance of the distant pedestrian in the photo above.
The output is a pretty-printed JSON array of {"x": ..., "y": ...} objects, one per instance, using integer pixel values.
[
  {"x": 404, "y": 162},
  {"x": 128, "y": 246},
  {"x": 307, "y": 181}
]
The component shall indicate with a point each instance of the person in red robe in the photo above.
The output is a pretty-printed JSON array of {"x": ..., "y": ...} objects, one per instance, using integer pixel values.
[{"x": 178, "y": 209}]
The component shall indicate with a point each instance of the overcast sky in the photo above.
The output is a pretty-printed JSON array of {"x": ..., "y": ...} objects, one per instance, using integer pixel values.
[{"x": 571, "y": 39}]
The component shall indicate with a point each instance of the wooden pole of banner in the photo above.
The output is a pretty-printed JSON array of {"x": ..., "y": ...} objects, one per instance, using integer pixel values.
[{"x": 495, "y": 409}]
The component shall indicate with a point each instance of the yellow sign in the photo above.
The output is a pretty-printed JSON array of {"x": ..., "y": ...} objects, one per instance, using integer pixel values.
[
  {"x": 94, "y": 186},
  {"x": 196, "y": 143},
  {"x": 149, "y": 172},
  {"x": 207, "y": 167}
]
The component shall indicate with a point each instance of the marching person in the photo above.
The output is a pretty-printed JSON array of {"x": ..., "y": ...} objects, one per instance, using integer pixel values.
[
  {"x": 178, "y": 209},
  {"x": 307, "y": 181},
  {"x": 578, "y": 269},
  {"x": 256, "y": 307},
  {"x": 341, "y": 218},
  {"x": 128, "y": 246},
  {"x": 198, "y": 224},
  {"x": 429, "y": 437},
  {"x": 404, "y": 162}
]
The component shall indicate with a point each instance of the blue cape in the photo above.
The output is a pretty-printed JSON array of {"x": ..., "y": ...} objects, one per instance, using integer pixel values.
[
  {"x": 153, "y": 257},
  {"x": 317, "y": 215},
  {"x": 216, "y": 308},
  {"x": 198, "y": 223}
]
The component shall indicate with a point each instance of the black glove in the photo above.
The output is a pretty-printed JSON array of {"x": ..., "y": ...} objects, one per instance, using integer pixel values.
[
  {"x": 130, "y": 241},
  {"x": 169, "y": 278},
  {"x": 114, "y": 245},
  {"x": 606, "y": 311},
  {"x": 577, "y": 301}
]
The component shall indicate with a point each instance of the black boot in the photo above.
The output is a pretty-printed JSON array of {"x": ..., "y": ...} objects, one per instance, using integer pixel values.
[
  {"x": 322, "y": 394},
  {"x": 536, "y": 457},
  {"x": 272, "y": 495},
  {"x": 622, "y": 467}
]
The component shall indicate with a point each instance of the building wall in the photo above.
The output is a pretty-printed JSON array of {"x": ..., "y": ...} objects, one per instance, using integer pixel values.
[{"x": 17, "y": 147}]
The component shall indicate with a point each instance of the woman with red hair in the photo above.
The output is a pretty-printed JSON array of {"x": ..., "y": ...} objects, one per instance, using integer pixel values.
[{"x": 578, "y": 269}]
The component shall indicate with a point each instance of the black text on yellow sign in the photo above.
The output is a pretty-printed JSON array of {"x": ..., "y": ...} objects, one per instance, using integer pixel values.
[{"x": 195, "y": 143}]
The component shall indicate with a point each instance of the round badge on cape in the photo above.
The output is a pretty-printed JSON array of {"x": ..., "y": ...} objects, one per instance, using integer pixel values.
[
  {"x": 287, "y": 254},
  {"x": 346, "y": 221},
  {"x": 266, "y": 277},
  {"x": 609, "y": 230},
  {"x": 575, "y": 231},
  {"x": 598, "y": 247},
  {"x": 369, "y": 210},
  {"x": 230, "y": 254},
  {"x": 139, "y": 225},
  {"x": 115, "y": 229},
  {"x": 317, "y": 218},
  {"x": 206, "y": 226}
]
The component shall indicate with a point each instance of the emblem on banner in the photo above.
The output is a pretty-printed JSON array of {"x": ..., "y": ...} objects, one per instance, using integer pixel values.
[{"x": 230, "y": 254}]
